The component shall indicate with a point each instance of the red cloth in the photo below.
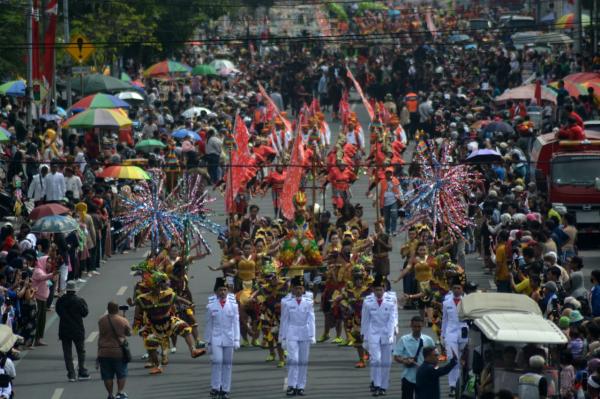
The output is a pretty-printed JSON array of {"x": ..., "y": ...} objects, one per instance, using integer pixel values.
[
  {"x": 578, "y": 118},
  {"x": 574, "y": 132},
  {"x": 294, "y": 177},
  {"x": 456, "y": 301},
  {"x": 379, "y": 301},
  {"x": 298, "y": 300},
  {"x": 222, "y": 302}
]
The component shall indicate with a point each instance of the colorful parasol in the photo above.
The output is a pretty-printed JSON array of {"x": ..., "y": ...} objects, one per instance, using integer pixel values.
[
  {"x": 167, "y": 69},
  {"x": 48, "y": 210},
  {"x": 98, "y": 117},
  {"x": 567, "y": 21},
  {"x": 204, "y": 70},
  {"x": 4, "y": 135},
  {"x": 99, "y": 100},
  {"x": 124, "y": 172},
  {"x": 55, "y": 224},
  {"x": 149, "y": 145}
]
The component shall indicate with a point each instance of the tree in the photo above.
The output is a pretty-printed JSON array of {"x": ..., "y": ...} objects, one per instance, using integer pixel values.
[{"x": 13, "y": 36}]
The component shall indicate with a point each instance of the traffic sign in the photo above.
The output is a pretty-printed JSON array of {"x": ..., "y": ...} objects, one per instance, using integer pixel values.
[{"x": 80, "y": 48}]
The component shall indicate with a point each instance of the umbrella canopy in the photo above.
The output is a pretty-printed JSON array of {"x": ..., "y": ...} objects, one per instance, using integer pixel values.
[
  {"x": 498, "y": 127},
  {"x": 484, "y": 156},
  {"x": 228, "y": 72},
  {"x": 220, "y": 64},
  {"x": 99, "y": 100},
  {"x": 51, "y": 117},
  {"x": 526, "y": 92},
  {"x": 55, "y": 224},
  {"x": 149, "y": 145},
  {"x": 8, "y": 339},
  {"x": 204, "y": 70},
  {"x": 130, "y": 96},
  {"x": 567, "y": 21},
  {"x": 98, "y": 117},
  {"x": 48, "y": 210},
  {"x": 581, "y": 77},
  {"x": 14, "y": 88},
  {"x": 4, "y": 135},
  {"x": 138, "y": 83},
  {"x": 125, "y": 77},
  {"x": 167, "y": 69},
  {"x": 554, "y": 38},
  {"x": 124, "y": 172},
  {"x": 196, "y": 111},
  {"x": 96, "y": 83},
  {"x": 185, "y": 133}
]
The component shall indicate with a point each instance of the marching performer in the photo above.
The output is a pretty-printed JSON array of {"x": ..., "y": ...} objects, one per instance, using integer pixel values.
[
  {"x": 222, "y": 334},
  {"x": 297, "y": 332},
  {"x": 379, "y": 325}
]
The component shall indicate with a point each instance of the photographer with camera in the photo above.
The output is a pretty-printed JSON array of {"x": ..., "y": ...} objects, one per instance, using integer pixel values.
[{"x": 409, "y": 352}]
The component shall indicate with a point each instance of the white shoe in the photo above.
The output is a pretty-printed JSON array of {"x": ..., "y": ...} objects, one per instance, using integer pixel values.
[
  {"x": 90, "y": 274},
  {"x": 96, "y": 273},
  {"x": 81, "y": 280},
  {"x": 173, "y": 350},
  {"x": 145, "y": 356}
]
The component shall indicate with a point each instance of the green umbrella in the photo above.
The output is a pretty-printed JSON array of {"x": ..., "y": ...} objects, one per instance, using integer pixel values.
[
  {"x": 96, "y": 83},
  {"x": 4, "y": 137},
  {"x": 125, "y": 77},
  {"x": 148, "y": 145},
  {"x": 204, "y": 70}
]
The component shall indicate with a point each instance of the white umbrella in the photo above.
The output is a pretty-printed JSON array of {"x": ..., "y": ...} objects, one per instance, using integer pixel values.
[
  {"x": 130, "y": 96},
  {"x": 221, "y": 64},
  {"x": 196, "y": 111}
]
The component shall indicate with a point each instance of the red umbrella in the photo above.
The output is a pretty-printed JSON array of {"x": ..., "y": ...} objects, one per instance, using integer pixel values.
[{"x": 48, "y": 210}]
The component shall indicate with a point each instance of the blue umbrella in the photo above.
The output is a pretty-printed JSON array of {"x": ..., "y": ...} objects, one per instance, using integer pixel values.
[
  {"x": 61, "y": 112},
  {"x": 50, "y": 117},
  {"x": 15, "y": 88},
  {"x": 185, "y": 133},
  {"x": 55, "y": 224}
]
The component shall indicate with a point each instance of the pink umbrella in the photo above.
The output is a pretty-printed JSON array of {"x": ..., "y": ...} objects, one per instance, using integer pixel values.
[
  {"x": 227, "y": 71},
  {"x": 526, "y": 92}
]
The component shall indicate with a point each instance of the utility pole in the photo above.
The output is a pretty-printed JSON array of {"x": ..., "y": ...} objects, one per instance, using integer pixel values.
[
  {"x": 578, "y": 26},
  {"x": 67, "y": 40},
  {"x": 29, "y": 90}
]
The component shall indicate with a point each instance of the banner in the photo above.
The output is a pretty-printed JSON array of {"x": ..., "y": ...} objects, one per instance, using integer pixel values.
[
  {"x": 361, "y": 94},
  {"x": 294, "y": 177},
  {"x": 263, "y": 93},
  {"x": 239, "y": 156}
]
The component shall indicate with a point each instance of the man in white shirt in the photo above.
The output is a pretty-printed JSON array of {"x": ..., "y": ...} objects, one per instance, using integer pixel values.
[
  {"x": 37, "y": 186},
  {"x": 455, "y": 333},
  {"x": 54, "y": 183},
  {"x": 73, "y": 183}
]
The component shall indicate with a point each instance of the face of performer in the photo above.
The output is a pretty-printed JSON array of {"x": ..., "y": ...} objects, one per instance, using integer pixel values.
[
  {"x": 358, "y": 281},
  {"x": 279, "y": 169},
  {"x": 222, "y": 292},
  {"x": 297, "y": 290},
  {"x": 247, "y": 249},
  {"x": 334, "y": 239},
  {"x": 260, "y": 246},
  {"x": 378, "y": 291},
  {"x": 457, "y": 290},
  {"x": 412, "y": 234},
  {"x": 355, "y": 233},
  {"x": 422, "y": 250}
]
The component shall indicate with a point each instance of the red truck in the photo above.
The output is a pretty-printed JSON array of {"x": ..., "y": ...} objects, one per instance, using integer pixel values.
[{"x": 569, "y": 172}]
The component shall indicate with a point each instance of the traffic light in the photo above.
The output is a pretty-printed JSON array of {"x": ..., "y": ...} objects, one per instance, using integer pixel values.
[{"x": 37, "y": 92}]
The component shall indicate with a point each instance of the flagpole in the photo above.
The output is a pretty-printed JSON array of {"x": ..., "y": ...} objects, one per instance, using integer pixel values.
[
  {"x": 29, "y": 63},
  {"x": 67, "y": 39}
]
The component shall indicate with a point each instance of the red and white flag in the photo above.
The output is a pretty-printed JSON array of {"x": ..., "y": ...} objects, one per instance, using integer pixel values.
[
  {"x": 294, "y": 176},
  {"x": 361, "y": 94}
]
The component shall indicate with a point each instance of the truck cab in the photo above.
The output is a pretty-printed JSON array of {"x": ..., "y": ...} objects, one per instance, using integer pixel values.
[{"x": 569, "y": 173}]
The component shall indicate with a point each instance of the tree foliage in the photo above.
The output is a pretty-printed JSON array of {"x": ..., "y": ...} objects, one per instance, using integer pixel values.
[{"x": 12, "y": 33}]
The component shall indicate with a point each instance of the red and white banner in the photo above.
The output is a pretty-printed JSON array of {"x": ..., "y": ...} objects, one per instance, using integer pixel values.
[
  {"x": 294, "y": 177},
  {"x": 265, "y": 96},
  {"x": 361, "y": 94},
  {"x": 51, "y": 13}
]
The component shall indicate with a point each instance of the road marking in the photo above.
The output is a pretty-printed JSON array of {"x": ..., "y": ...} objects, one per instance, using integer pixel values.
[
  {"x": 57, "y": 393},
  {"x": 121, "y": 290},
  {"x": 91, "y": 337},
  {"x": 285, "y": 384},
  {"x": 492, "y": 284},
  {"x": 132, "y": 273}
]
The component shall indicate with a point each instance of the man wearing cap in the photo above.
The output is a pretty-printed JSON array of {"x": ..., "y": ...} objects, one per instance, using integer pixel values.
[
  {"x": 71, "y": 310},
  {"x": 533, "y": 385},
  {"x": 379, "y": 325},
  {"x": 222, "y": 334},
  {"x": 455, "y": 333},
  {"x": 296, "y": 333}
]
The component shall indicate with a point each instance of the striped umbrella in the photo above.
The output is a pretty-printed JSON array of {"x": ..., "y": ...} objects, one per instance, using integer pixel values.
[
  {"x": 98, "y": 117},
  {"x": 14, "y": 88},
  {"x": 567, "y": 21},
  {"x": 4, "y": 135},
  {"x": 167, "y": 69},
  {"x": 99, "y": 100},
  {"x": 124, "y": 172}
]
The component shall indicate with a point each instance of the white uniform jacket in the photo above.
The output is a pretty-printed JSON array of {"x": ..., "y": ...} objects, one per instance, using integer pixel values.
[
  {"x": 380, "y": 322},
  {"x": 222, "y": 322},
  {"x": 452, "y": 327},
  {"x": 297, "y": 320}
]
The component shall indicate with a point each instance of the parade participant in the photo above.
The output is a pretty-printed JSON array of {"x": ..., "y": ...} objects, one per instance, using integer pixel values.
[
  {"x": 397, "y": 131},
  {"x": 280, "y": 137},
  {"x": 350, "y": 299},
  {"x": 408, "y": 251},
  {"x": 276, "y": 180},
  {"x": 389, "y": 195},
  {"x": 222, "y": 335},
  {"x": 296, "y": 334},
  {"x": 157, "y": 308},
  {"x": 455, "y": 334},
  {"x": 340, "y": 177},
  {"x": 382, "y": 246},
  {"x": 334, "y": 258},
  {"x": 421, "y": 264},
  {"x": 354, "y": 134},
  {"x": 379, "y": 325}
]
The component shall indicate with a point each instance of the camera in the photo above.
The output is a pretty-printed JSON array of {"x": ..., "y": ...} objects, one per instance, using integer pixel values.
[{"x": 123, "y": 308}]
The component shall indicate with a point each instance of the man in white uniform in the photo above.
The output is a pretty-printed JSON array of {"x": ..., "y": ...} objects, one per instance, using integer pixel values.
[
  {"x": 296, "y": 333},
  {"x": 455, "y": 334},
  {"x": 222, "y": 335},
  {"x": 379, "y": 326}
]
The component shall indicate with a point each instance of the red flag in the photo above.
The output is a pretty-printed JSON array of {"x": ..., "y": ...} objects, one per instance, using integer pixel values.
[
  {"x": 51, "y": 13},
  {"x": 294, "y": 176},
  {"x": 314, "y": 106},
  {"x": 538, "y": 92},
  {"x": 344, "y": 109},
  {"x": 239, "y": 156},
  {"x": 269, "y": 100},
  {"x": 361, "y": 94}
]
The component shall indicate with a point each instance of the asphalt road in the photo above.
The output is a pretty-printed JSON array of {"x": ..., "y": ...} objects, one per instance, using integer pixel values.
[{"x": 42, "y": 374}]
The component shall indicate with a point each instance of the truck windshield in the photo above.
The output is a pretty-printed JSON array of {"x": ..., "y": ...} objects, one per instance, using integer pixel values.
[{"x": 580, "y": 171}]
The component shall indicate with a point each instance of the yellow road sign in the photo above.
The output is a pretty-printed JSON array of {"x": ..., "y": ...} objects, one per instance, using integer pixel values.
[{"x": 80, "y": 48}]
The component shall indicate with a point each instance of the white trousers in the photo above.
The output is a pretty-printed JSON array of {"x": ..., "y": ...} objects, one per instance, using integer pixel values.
[
  {"x": 380, "y": 359},
  {"x": 297, "y": 359},
  {"x": 221, "y": 359},
  {"x": 456, "y": 345}
]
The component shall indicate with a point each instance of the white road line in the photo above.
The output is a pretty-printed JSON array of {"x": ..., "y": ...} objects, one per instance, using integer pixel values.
[
  {"x": 492, "y": 284},
  {"x": 57, "y": 393},
  {"x": 121, "y": 290},
  {"x": 285, "y": 384},
  {"x": 91, "y": 337}
]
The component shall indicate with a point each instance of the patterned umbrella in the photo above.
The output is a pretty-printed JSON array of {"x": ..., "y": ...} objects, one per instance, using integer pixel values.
[
  {"x": 14, "y": 88},
  {"x": 99, "y": 100},
  {"x": 167, "y": 69},
  {"x": 55, "y": 224},
  {"x": 47, "y": 210},
  {"x": 567, "y": 21},
  {"x": 98, "y": 117},
  {"x": 124, "y": 172}
]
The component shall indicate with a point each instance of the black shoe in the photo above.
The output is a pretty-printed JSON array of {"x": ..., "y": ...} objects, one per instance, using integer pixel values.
[
  {"x": 290, "y": 392},
  {"x": 300, "y": 392},
  {"x": 382, "y": 392},
  {"x": 452, "y": 392},
  {"x": 83, "y": 375},
  {"x": 214, "y": 394},
  {"x": 71, "y": 377},
  {"x": 377, "y": 391},
  {"x": 372, "y": 387},
  {"x": 224, "y": 395}
]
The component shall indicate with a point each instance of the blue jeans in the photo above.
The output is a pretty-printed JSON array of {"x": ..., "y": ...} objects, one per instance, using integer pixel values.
[{"x": 390, "y": 217}]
